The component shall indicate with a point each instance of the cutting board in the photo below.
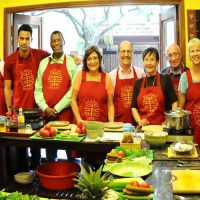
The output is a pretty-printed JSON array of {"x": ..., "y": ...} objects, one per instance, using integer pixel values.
[
  {"x": 173, "y": 154},
  {"x": 186, "y": 181}
]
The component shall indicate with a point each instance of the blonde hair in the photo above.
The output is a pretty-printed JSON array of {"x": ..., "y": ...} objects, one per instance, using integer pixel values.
[{"x": 193, "y": 42}]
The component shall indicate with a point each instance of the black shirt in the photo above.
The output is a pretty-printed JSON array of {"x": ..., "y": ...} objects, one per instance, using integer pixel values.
[{"x": 166, "y": 85}]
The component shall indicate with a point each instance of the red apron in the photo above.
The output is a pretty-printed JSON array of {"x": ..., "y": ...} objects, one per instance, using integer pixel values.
[
  {"x": 193, "y": 104},
  {"x": 123, "y": 99},
  {"x": 56, "y": 83},
  {"x": 24, "y": 83},
  {"x": 92, "y": 99},
  {"x": 175, "y": 80},
  {"x": 2, "y": 97},
  {"x": 151, "y": 102}
]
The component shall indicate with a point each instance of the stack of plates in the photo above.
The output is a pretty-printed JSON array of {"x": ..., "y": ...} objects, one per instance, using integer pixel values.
[{"x": 24, "y": 177}]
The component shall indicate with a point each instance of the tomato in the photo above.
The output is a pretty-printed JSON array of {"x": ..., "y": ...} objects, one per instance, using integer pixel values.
[
  {"x": 44, "y": 132},
  {"x": 80, "y": 124},
  {"x": 144, "y": 184},
  {"x": 134, "y": 183},
  {"x": 121, "y": 154},
  {"x": 53, "y": 132},
  {"x": 47, "y": 127},
  {"x": 83, "y": 130},
  {"x": 78, "y": 130}
]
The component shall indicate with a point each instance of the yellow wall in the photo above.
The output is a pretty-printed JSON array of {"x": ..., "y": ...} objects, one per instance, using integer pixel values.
[{"x": 189, "y": 4}]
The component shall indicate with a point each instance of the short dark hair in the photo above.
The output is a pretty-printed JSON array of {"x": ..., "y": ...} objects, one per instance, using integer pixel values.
[
  {"x": 150, "y": 51},
  {"x": 25, "y": 27},
  {"x": 58, "y": 32},
  {"x": 88, "y": 51}
]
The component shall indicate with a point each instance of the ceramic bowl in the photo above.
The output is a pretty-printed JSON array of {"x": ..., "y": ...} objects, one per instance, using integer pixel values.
[
  {"x": 24, "y": 177},
  {"x": 94, "y": 125},
  {"x": 155, "y": 138}
]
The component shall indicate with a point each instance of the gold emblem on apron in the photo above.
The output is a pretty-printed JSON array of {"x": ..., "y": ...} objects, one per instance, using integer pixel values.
[
  {"x": 55, "y": 79},
  {"x": 196, "y": 113},
  {"x": 126, "y": 95},
  {"x": 150, "y": 102},
  {"x": 91, "y": 110},
  {"x": 27, "y": 79}
]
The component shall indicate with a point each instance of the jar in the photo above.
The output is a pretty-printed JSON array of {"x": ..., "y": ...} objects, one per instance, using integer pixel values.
[{"x": 3, "y": 122}]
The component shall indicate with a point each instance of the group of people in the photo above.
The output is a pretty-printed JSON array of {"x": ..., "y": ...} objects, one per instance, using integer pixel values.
[{"x": 54, "y": 83}]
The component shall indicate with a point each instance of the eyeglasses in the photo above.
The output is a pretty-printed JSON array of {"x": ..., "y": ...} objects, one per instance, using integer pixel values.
[
  {"x": 92, "y": 59},
  {"x": 171, "y": 55}
]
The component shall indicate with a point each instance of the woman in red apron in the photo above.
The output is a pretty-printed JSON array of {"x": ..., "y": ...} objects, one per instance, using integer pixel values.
[
  {"x": 92, "y": 99},
  {"x": 123, "y": 98},
  {"x": 92, "y": 96},
  {"x": 150, "y": 101},
  {"x": 189, "y": 97}
]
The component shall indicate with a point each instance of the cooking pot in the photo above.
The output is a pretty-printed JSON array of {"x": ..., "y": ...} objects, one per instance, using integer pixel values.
[
  {"x": 32, "y": 113},
  {"x": 177, "y": 119}
]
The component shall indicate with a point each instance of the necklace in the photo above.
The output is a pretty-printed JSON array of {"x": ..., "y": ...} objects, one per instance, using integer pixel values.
[{"x": 149, "y": 82}]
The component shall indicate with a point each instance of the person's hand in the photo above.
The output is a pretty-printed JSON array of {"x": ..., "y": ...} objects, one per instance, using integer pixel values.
[
  {"x": 143, "y": 122},
  {"x": 77, "y": 59},
  {"x": 51, "y": 112}
]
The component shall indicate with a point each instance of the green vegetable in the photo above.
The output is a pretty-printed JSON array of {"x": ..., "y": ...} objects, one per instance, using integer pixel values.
[
  {"x": 16, "y": 196},
  {"x": 120, "y": 183}
]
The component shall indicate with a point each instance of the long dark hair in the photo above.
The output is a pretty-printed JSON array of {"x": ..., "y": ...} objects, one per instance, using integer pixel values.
[{"x": 88, "y": 51}]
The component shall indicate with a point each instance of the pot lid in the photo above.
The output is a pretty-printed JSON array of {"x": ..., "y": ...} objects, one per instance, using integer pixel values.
[{"x": 178, "y": 112}]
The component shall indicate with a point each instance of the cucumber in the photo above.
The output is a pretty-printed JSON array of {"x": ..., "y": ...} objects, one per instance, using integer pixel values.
[{"x": 122, "y": 182}]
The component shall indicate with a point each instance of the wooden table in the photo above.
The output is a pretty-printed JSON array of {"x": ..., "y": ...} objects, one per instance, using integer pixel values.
[{"x": 160, "y": 177}]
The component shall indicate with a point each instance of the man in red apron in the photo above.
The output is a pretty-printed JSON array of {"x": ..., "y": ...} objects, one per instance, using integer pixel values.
[
  {"x": 20, "y": 71},
  {"x": 53, "y": 84},
  {"x": 176, "y": 67},
  {"x": 123, "y": 79},
  {"x": 2, "y": 97}
]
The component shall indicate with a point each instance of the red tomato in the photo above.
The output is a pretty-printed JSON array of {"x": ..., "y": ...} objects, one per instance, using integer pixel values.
[
  {"x": 121, "y": 154},
  {"x": 134, "y": 183},
  {"x": 80, "y": 124},
  {"x": 47, "y": 127},
  {"x": 78, "y": 130},
  {"x": 144, "y": 185},
  {"x": 44, "y": 132},
  {"x": 53, "y": 132},
  {"x": 83, "y": 130}
]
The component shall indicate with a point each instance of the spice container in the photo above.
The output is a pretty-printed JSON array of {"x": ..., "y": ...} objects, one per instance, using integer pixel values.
[{"x": 3, "y": 121}]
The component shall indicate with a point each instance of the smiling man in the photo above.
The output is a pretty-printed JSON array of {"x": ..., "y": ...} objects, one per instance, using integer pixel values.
[
  {"x": 53, "y": 84},
  {"x": 123, "y": 79},
  {"x": 176, "y": 67}
]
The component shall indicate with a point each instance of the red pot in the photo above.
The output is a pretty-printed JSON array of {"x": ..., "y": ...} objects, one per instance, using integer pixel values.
[{"x": 57, "y": 175}]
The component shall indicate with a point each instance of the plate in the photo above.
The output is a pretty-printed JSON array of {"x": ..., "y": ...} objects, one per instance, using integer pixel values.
[
  {"x": 59, "y": 123},
  {"x": 131, "y": 169},
  {"x": 113, "y": 125},
  {"x": 152, "y": 128},
  {"x": 125, "y": 196},
  {"x": 183, "y": 147}
]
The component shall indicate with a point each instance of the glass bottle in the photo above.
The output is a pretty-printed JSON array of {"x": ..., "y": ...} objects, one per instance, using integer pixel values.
[
  {"x": 14, "y": 121},
  {"x": 21, "y": 121}
]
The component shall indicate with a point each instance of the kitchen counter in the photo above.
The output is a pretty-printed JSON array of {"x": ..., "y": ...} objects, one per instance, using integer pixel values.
[{"x": 160, "y": 177}]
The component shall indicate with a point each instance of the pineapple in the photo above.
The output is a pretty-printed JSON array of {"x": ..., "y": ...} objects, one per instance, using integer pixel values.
[{"x": 94, "y": 186}]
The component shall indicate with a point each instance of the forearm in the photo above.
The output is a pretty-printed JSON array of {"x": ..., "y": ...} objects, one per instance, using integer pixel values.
[
  {"x": 75, "y": 110},
  {"x": 181, "y": 100},
  {"x": 64, "y": 102},
  {"x": 111, "y": 113},
  {"x": 140, "y": 121},
  {"x": 8, "y": 94}
]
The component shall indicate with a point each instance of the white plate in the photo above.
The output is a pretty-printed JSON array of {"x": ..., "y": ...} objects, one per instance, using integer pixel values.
[
  {"x": 113, "y": 125},
  {"x": 59, "y": 123}
]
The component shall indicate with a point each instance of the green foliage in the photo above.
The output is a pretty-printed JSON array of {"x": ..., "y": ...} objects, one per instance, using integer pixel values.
[{"x": 92, "y": 184}]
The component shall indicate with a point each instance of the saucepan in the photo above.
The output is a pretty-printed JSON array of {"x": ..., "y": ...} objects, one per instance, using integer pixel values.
[
  {"x": 178, "y": 119},
  {"x": 32, "y": 113}
]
